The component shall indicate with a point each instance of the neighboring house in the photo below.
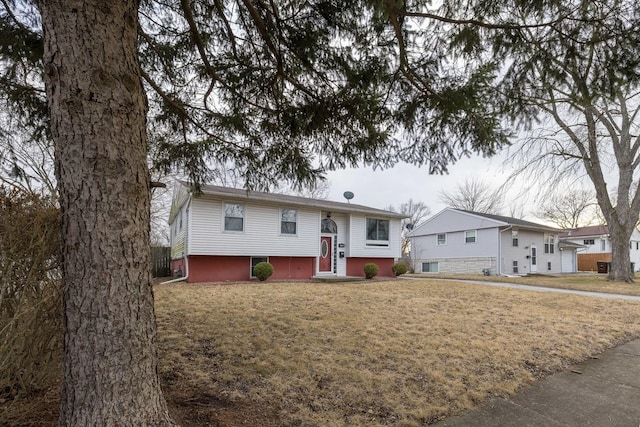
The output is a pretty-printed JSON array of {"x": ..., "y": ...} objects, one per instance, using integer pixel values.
[
  {"x": 597, "y": 246},
  {"x": 223, "y": 233},
  {"x": 458, "y": 241}
]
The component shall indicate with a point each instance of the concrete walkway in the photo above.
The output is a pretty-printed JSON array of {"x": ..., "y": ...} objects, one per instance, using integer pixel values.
[
  {"x": 533, "y": 288},
  {"x": 544, "y": 289},
  {"x": 604, "y": 391}
]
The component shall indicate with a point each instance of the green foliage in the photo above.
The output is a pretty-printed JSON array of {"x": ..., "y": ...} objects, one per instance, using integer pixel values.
[
  {"x": 288, "y": 90},
  {"x": 399, "y": 268},
  {"x": 30, "y": 307},
  {"x": 263, "y": 270},
  {"x": 370, "y": 270}
]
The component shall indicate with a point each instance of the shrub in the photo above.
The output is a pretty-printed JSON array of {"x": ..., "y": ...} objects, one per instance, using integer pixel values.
[
  {"x": 399, "y": 268},
  {"x": 30, "y": 301},
  {"x": 370, "y": 270},
  {"x": 263, "y": 270}
]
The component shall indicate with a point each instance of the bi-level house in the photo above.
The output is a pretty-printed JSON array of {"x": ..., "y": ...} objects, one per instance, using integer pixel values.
[
  {"x": 456, "y": 241},
  {"x": 223, "y": 233}
]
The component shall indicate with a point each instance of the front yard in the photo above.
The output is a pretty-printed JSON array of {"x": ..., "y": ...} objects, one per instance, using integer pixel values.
[{"x": 396, "y": 353}]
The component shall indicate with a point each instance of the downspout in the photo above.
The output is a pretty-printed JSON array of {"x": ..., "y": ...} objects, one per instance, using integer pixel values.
[
  {"x": 186, "y": 249},
  {"x": 498, "y": 261}
]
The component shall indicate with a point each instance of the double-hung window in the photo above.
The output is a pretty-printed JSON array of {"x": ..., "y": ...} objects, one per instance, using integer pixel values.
[
  {"x": 514, "y": 238},
  {"x": 288, "y": 221},
  {"x": 442, "y": 239},
  {"x": 549, "y": 244},
  {"x": 470, "y": 236},
  {"x": 377, "y": 232},
  {"x": 233, "y": 217}
]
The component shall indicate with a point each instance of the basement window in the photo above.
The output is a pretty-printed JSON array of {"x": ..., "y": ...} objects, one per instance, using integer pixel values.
[{"x": 255, "y": 260}]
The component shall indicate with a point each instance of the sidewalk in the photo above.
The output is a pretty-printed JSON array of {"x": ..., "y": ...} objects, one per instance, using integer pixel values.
[{"x": 604, "y": 391}]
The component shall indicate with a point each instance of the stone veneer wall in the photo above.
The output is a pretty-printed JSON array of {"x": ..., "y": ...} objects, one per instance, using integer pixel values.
[{"x": 473, "y": 265}]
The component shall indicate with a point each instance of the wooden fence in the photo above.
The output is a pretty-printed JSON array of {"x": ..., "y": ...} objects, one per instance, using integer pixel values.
[
  {"x": 589, "y": 262},
  {"x": 161, "y": 261}
]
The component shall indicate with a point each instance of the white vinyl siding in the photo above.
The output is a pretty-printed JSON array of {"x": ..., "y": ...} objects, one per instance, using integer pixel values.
[
  {"x": 178, "y": 234},
  {"x": 261, "y": 231}
]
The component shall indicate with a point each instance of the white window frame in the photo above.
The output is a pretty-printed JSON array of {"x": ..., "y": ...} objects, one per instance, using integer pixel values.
[
  {"x": 429, "y": 270},
  {"x": 376, "y": 243},
  {"x": 252, "y": 265},
  {"x": 224, "y": 217},
  {"x": 514, "y": 238},
  {"x": 514, "y": 266},
  {"x": 438, "y": 242},
  {"x": 549, "y": 244},
  {"x": 295, "y": 222},
  {"x": 475, "y": 237}
]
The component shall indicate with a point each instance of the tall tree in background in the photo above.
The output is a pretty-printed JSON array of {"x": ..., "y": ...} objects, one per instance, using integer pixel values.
[
  {"x": 416, "y": 213},
  {"x": 282, "y": 90},
  {"x": 473, "y": 195},
  {"x": 569, "y": 209},
  {"x": 581, "y": 77}
]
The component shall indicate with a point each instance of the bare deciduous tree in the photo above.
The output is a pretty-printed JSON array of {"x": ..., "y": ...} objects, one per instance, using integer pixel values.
[
  {"x": 474, "y": 195},
  {"x": 569, "y": 209},
  {"x": 416, "y": 213}
]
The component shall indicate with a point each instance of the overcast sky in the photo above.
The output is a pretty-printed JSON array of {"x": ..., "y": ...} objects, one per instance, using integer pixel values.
[{"x": 395, "y": 186}]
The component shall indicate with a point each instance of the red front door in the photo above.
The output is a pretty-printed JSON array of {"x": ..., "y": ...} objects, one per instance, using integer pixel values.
[{"x": 325, "y": 254}]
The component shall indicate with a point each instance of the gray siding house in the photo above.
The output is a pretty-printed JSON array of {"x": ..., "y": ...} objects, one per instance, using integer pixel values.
[{"x": 456, "y": 241}]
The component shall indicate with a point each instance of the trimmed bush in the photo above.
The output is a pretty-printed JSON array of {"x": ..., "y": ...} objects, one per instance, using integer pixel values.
[
  {"x": 370, "y": 270},
  {"x": 399, "y": 268},
  {"x": 263, "y": 270}
]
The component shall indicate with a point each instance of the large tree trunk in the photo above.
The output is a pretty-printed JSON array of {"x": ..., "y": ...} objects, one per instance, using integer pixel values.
[
  {"x": 98, "y": 116},
  {"x": 619, "y": 236}
]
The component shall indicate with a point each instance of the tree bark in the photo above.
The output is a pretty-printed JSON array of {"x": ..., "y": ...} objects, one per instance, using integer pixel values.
[
  {"x": 98, "y": 108},
  {"x": 619, "y": 236}
]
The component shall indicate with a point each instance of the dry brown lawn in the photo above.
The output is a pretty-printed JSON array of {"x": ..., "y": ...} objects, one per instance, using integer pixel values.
[
  {"x": 401, "y": 353},
  {"x": 394, "y": 353}
]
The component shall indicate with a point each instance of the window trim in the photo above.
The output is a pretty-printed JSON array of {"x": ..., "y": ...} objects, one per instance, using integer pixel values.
[
  {"x": 438, "y": 243},
  {"x": 437, "y": 263},
  {"x": 252, "y": 265},
  {"x": 514, "y": 266},
  {"x": 376, "y": 243},
  {"x": 475, "y": 237},
  {"x": 295, "y": 223},
  {"x": 549, "y": 244},
  {"x": 224, "y": 217}
]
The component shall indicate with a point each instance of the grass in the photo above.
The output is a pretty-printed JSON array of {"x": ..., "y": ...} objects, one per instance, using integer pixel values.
[
  {"x": 401, "y": 353},
  {"x": 583, "y": 282},
  {"x": 394, "y": 353}
]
